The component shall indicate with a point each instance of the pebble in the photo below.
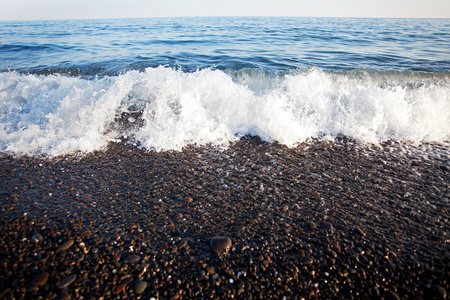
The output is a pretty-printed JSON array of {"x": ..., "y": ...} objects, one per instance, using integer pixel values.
[
  {"x": 439, "y": 292},
  {"x": 266, "y": 263},
  {"x": 67, "y": 281},
  {"x": 182, "y": 245},
  {"x": 326, "y": 225},
  {"x": 65, "y": 246},
  {"x": 120, "y": 288},
  {"x": 336, "y": 246},
  {"x": 284, "y": 207},
  {"x": 359, "y": 231},
  {"x": 140, "y": 286},
  {"x": 128, "y": 280},
  {"x": 311, "y": 225},
  {"x": 305, "y": 260},
  {"x": 132, "y": 259},
  {"x": 390, "y": 295},
  {"x": 220, "y": 243},
  {"x": 333, "y": 254},
  {"x": 240, "y": 284},
  {"x": 41, "y": 279},
  {"x": 37, "y": 238},
  {"x": 65, "y": 295}
]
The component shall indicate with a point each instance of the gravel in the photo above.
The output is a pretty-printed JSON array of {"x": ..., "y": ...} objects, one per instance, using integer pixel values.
[{"x": 326, "y": 220}]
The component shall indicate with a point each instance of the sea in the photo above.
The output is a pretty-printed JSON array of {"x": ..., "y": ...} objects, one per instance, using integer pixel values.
[{"x": 73, "y": 86}]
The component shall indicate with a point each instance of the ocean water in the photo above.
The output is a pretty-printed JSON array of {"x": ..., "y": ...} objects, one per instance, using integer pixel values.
[{"x": 165, "y": 83}]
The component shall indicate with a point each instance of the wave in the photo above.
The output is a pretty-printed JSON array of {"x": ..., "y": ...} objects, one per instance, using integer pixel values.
[{"x": 164, "y": 108}]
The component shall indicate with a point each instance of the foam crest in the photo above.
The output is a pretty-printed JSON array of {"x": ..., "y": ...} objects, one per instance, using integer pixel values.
[
  {"x": 162, "y": 108},
  {"x": 54, "y": 115}
]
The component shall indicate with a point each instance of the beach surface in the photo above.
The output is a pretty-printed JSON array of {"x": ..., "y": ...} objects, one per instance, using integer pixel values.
[{"x": 324, "y": 220}]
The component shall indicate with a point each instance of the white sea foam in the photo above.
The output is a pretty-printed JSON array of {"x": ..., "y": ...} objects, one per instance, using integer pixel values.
[{"x": 57, "y": 115}]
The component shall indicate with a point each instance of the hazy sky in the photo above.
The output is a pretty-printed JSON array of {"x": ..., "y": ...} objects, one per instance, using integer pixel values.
[{"x": 90, "y": 9}]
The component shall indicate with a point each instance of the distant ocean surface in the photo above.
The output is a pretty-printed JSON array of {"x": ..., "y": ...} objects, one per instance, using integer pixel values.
[{"x": 69, "y": 86}]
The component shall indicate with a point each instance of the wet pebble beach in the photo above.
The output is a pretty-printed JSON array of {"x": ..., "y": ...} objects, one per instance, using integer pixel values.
[{"x": 324, "y": 220}]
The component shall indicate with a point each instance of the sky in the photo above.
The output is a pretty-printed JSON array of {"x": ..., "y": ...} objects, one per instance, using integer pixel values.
[{"x": 94, "y": 9}]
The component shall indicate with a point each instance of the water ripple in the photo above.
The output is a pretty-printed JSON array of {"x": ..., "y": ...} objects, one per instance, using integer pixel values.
[{"x": 196, "y": 43}]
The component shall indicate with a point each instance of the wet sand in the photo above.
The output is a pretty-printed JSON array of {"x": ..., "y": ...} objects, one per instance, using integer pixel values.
[{"x": 327, "y": 220}]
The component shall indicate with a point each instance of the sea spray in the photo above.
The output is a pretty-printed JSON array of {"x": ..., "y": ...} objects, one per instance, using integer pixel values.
[{"x": 168, "y": 109}]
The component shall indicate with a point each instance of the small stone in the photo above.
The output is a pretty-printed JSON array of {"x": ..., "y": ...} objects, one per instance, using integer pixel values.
[
  {"x": 240, "y": 284},
  {"x": 128, "y": 281},
  {"x": 311, "y": 225},
  {"x": 106, "y": 293},
  {"x": 333, "y": 254},
  {"x": 140, "y": 286},
  {"x": 4, "y": 292},
  {"x": 124, "y": 277},
  {"x": 189, "y": 200},
  {"x": 336, "y": 246},
  {"x": 144, "y": 266},
  {"x": 220, "y": 243},
  {"x": 65, "y": 246},
  {"x": 439, "y": 292},
  {"x": 284, "y": 207},
  {"x": 41, "y": 279},
  {"x": 390, "y": 295},
  {"x": 182, "y": 245},
  {"x": 67, "y": 281},
  {"x": 37, "y": 238},
  {"x": 32, "y": 289},
  {"x": 359, "y": 231},
  {"x": 215, "y": 277},
  {"x": 132, "y": 259},
  {"x": 326, "y": 225},
  {"x": 210, "y": 270},
  {"x": 120, "y": 288},
  {"x": 305, "y": 260},
  {"x": 64, "y": 295},
  {"x": 266, "y": 263}
]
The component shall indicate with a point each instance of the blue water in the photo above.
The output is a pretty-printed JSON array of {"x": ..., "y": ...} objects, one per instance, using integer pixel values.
[
  {"x": 211, "y": 80},
  {"x": 114, "y": 46}
]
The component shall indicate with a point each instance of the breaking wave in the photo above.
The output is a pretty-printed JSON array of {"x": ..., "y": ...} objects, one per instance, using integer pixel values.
[{"x": 164, "y": 108}]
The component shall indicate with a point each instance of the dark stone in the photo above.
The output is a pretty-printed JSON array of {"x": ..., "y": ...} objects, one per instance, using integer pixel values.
[
  {"x": 311, "y": 225},
  {"x": 390, "y": 295},
  {"x": 326, "y": 226},
  {"x": 305, "y": 260},
  {"x": 220, "y": 243},
  {"x": 37, "y": 238},
  {"x": 120, "y": 288},
  {"x": 67, "y": 281},
  {"x": 439, "y": 292},
  {"x": 140, "y": 286},
  {"x": 65, "y": 246},
  {"x": 359, "y": 231},
  {"x": 132, "y": 259},
  {"x": 41, "y": 279}
]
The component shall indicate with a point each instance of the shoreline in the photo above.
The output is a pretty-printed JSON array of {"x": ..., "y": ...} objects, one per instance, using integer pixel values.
[{"x": 327, "y": 220}]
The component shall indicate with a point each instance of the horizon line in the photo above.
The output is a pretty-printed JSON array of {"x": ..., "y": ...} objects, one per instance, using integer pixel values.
[{"x": 212, "y": 16}]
